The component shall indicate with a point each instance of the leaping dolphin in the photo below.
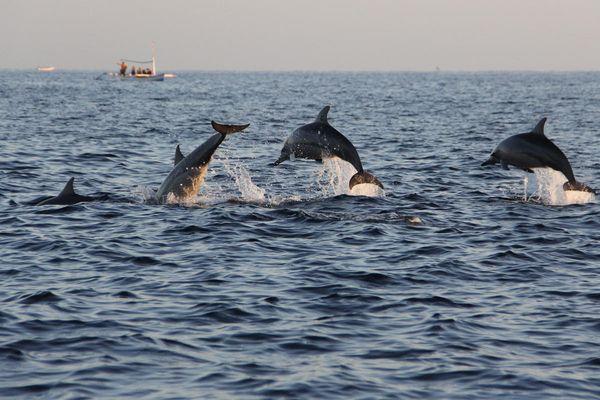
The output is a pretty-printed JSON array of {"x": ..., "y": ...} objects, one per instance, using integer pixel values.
[
  {"x": 187, "y": 175},
  {"x": 534, "y": 150},
  {"x": 319, "y": 140},
  {"x": 67, "y": 196}
]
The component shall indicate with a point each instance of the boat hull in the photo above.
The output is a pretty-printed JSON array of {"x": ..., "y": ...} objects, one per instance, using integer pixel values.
[{"x": 157, "y": 77}]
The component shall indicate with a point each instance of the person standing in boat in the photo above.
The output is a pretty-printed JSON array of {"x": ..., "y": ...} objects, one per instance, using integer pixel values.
[
  {"x": 123, "y": 68},
  {"x": 133, "y": 70}
]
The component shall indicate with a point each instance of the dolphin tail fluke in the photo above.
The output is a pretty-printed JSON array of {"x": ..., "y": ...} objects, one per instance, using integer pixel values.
[
  {"x": 578, "y": 186},
  {"x": 227, "y": 129},
  {"x": 364, "y": 177}
]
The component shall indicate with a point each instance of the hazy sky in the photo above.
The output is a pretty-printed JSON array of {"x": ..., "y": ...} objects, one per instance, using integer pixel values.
[{"x": 304, "y": 34}]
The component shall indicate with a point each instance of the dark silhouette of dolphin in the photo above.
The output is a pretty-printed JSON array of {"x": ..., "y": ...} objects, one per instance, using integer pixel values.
[
  {"x": 178, "y": 156},
  {"x": 319, "y": 140},
  {"x": 188, "y": 173},
  {"x": 534, "y": 150},
  {"x": 67, "y": 196}
]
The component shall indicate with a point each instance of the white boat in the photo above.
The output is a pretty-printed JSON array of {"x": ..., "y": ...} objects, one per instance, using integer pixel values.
[
  {"x": 152, "y": 76},
  {"x": 46, "y": 69}
]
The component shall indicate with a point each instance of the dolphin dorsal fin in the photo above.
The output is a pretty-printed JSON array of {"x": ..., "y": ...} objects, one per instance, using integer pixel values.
[
  {"x": 322, "y": 117},
  {"x": 178, "y": 155},
  {"x": 68, "y": 190},
  {"x": 539, "y": 128}
]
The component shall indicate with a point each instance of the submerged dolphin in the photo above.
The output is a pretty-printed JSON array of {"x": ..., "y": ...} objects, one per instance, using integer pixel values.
[
  {"x": 535, "y": 150},
  {"x": 187, "y": 175},
  {"x": 67, "y": 196},
  {"x": 319, "y": 140}
]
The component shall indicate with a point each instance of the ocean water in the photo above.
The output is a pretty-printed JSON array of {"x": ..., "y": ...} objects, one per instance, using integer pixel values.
[{"x": 454, "y": 282}]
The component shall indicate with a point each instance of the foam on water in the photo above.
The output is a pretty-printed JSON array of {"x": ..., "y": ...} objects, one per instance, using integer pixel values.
[{"x": 550, "y": 189}]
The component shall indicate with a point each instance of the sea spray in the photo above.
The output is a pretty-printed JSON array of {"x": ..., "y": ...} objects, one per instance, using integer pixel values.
[
  {"x": 249, "y": 191},
  {"x": 550, "y": 189},
  {"x": 337, "y": 174},
  {"x": 546, "y": 187},
  {"x": 145, "y": 194},
  {"x": 331, "y": 180}
]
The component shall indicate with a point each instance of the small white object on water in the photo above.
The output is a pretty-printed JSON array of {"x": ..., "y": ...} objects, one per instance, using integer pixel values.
[{"x": 414, "y": 220}]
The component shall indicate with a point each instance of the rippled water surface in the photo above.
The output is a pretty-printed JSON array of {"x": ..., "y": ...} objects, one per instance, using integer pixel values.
[{"x": 277, "y": 282}]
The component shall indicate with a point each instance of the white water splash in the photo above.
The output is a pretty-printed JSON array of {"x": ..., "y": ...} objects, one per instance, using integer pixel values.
[
  {"x": 550, "y": 189},
  {"x": 148, "y": 195},
  {"x": 335, "y": 176},
  {"x": 145, "y": 194},
  {"x": 332, "y": 180},
  {"x": 188, "y": 201},
  {"x": 249, "y": 191}
]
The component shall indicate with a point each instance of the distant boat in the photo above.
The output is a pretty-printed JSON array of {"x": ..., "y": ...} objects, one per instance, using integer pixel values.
[
  {"x": 46, "y": 69},
  {"x": 139, "y": 73},
  {"x": 170, "y": 75}
]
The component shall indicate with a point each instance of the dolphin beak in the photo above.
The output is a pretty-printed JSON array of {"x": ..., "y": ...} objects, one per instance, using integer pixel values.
[{"x": 490, "y": 161}]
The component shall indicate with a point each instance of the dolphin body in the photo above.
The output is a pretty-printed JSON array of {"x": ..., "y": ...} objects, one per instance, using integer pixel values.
[
  {"x": 188, "y": 173},
  {"x": 319, "y": 140},
  {"x": 67, "y": 196},
  {"x": 534, "y": 150}
]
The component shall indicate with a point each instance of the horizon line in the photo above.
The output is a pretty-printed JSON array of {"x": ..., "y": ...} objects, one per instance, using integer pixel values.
[{"x": 168, "y": 70}]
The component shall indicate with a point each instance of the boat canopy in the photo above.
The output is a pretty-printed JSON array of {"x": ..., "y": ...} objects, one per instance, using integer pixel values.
[
  {"x": 152, "y": 61},
  {"x": 152, "y": 74},
  {"x": 136, "y": 61}
]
